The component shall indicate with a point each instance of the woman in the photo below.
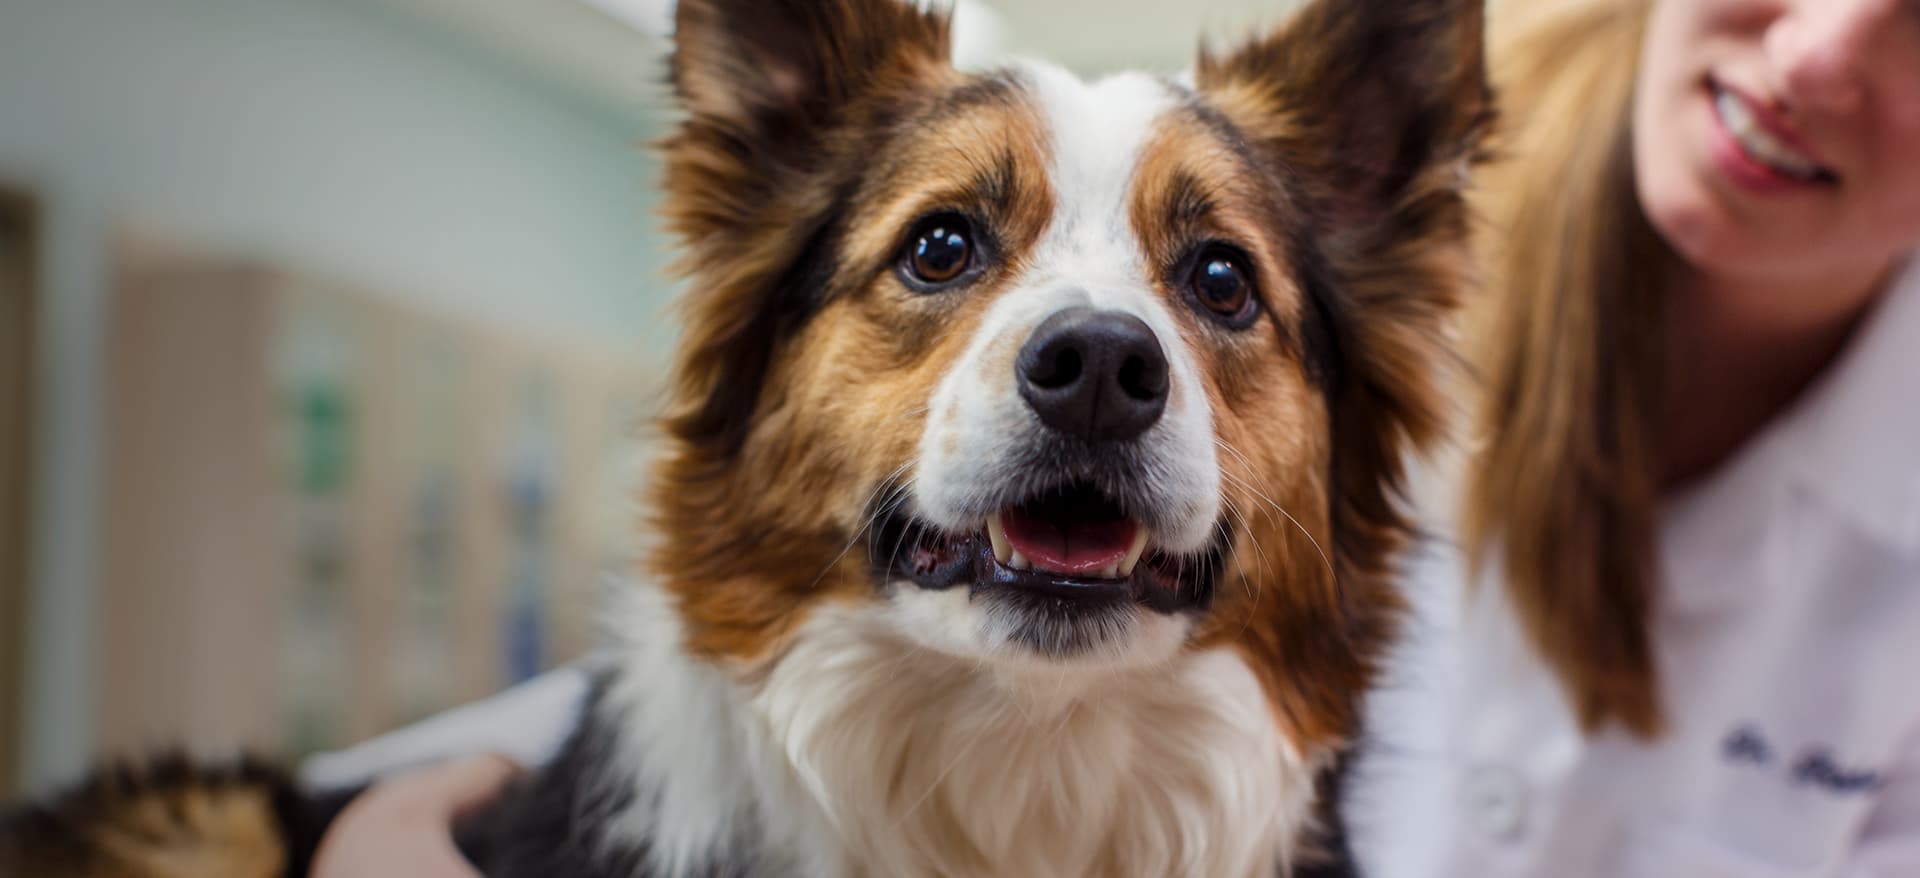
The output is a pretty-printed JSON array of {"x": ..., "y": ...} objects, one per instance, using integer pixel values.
[{"x": 1691, "y": 503}]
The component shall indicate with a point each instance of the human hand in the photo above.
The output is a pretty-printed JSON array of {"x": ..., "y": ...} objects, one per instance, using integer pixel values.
[{"x": 403, "y": 826}]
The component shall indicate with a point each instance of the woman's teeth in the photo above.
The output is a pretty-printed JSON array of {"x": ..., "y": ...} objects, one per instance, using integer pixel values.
[{"x": 1759, "y": 144}]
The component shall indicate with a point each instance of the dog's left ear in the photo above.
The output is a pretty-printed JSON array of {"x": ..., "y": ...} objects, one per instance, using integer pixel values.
[
  {"x": 1373, "y": 111},
  {"x": 1373, "y": 102}
]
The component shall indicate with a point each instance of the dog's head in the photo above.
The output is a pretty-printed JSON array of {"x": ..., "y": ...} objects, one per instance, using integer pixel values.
[{"x": 1040, "y": 372}]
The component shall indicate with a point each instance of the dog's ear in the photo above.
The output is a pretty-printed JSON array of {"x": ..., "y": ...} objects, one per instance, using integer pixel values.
[
  {"x": 1373, "y": 112},
  {"x": 1370, "y": 113},
  {"x": 776, "y": 94},
  {"x": 1373, "y": 101},
  {"x": 763, "y": 82}
]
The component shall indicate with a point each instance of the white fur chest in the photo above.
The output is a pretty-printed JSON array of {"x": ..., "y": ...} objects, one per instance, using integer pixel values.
[
  {"x": 858, "y": 755},
  {"x": 925, "y": 765}
]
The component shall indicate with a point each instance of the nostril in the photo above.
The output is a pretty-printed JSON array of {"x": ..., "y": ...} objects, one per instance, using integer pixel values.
[
  {"x": 1144, "y": 378},
  {"x": 1059, "y": 368}
]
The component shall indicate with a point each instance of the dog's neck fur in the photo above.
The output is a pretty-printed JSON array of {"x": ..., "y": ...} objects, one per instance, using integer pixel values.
[{"x": 856, "y": 754}]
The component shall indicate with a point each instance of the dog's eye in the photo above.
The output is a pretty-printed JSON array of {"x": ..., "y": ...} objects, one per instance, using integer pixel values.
[
  {"x": 1220, "y": 283},
  {"x": 941, "y": 249}
]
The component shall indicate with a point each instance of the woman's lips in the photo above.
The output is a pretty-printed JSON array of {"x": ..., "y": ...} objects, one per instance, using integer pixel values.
[{"x": 1751, "y": 151}]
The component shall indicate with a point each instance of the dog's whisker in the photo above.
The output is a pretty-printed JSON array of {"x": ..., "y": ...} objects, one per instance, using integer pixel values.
[
  {"x": 1234, "y": 512},
  {"x": 1277, "y": 507},
  {"x": 896, "y": 492},
  {"x": 1253, "y": 589}
]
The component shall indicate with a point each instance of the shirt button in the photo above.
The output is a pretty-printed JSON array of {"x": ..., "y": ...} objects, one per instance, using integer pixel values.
[{"x": 1497, "y": 799}]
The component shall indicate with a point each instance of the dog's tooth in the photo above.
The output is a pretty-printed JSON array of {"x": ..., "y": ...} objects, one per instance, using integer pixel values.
[
  {"x": 1139, "y": 548},
  {"x": 997, "y": 534},
  {"x": 1111, "y": 571},
  {"x": 1017, "y": 561}
]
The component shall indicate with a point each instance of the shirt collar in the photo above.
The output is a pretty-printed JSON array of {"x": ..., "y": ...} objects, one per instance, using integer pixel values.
[{"x": 1855, "y": 439}]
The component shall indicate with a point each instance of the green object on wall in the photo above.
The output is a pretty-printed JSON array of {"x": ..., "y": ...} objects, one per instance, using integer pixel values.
[{"x": 324, "y": 418}]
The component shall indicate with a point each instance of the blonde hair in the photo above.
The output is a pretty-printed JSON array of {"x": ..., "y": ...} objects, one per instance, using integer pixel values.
[{"x": 1568, "y": 345}]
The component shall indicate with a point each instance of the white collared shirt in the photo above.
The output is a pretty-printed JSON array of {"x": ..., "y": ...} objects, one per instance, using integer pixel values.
[{"x": 1787, "y": 634}]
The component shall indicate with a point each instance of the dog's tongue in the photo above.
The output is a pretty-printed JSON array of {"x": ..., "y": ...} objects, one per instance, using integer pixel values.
[{"x": 1068, "y": 545}]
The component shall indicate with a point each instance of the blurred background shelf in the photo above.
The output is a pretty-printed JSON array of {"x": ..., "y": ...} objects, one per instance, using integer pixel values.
[{"x": 328, "y": 515}]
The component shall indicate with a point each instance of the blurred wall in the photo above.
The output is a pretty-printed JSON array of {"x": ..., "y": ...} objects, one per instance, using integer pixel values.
[{"x": 307, "y": 133}]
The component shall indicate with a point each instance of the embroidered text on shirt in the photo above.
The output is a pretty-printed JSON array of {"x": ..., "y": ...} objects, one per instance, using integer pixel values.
[
  {"x": 1745, "y": 744},
  {"x": 1816, "y": 767}
]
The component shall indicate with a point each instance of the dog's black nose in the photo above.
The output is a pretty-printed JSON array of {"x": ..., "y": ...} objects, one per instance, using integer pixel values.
[{"x": 1094, "y": 375}]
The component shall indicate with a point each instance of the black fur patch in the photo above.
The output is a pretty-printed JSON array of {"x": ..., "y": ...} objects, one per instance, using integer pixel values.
[
  {"x": 1321, "y": 332},
  {"x": 1331, "y": 856},
  {"x": 63, "y": 836},
  {"x": 556, "y": 822}
]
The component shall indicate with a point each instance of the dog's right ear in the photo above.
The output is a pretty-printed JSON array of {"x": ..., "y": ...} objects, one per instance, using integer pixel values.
[{"x": 764, "y": 81}]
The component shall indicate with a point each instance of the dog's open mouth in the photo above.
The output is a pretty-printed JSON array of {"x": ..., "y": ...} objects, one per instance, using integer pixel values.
[
  {"x": 1072, "y": 543},
  {"x": 1077, "y": 534}
]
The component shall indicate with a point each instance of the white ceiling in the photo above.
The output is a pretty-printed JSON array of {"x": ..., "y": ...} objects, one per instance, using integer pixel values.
[{"x": 606, "y": 60}]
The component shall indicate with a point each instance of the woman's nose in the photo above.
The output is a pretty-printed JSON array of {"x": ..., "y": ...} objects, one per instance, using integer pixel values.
[{"x": 1820, "y": 51}]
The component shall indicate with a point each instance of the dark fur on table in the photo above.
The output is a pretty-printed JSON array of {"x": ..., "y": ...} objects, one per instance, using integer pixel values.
[{"x": 169, "y": 817}]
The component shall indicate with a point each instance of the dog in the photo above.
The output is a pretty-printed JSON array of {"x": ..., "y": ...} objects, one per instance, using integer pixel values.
[{"x": 1030, "y": 505}]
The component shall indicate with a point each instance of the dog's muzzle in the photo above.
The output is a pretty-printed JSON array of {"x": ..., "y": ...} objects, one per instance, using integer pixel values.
[{"x": 1069, "y": 527}]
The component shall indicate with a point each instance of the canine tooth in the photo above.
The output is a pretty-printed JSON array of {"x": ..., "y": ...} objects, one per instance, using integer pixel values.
[
  {"x": 1111, "y": 571},
  {"x": 1139, "y": 547},
  {"x": 1018, "y": 561},
  {"x": 997, "y": 534}
]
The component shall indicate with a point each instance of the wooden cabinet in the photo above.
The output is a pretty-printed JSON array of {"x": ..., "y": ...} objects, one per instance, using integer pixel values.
[
  {"x": 328, "y": 515},
  {"x": 18, "y": 285}
]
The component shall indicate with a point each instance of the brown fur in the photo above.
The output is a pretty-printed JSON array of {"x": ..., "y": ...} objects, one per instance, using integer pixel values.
[
  {"x": 166, "y": 820},
  {"x": 1393, "y": 274}
]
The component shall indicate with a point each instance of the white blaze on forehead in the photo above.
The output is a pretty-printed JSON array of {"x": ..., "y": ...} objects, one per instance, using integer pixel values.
[
  {"x": 979, "y": 425},
  {"x": 1098, "y": 131}
]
